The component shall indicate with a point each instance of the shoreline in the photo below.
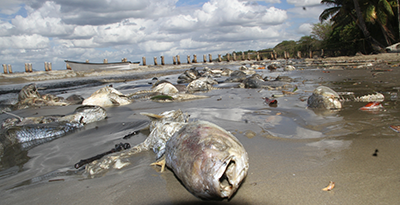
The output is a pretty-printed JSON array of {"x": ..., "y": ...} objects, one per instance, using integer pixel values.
[{"x": 38, "y": 76}]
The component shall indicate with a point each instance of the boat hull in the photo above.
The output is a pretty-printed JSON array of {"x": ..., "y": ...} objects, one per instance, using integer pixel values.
[{"x": 83, "y": 66}]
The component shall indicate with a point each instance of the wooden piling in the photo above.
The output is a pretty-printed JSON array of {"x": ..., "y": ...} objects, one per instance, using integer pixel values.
[
  {"x": 155, "y": 60},
  {"x": 243, "y": 57},
  {"x": 194, "y": 58},
  {"x": 30, "y": 67},
  {"x": 210, "y": 58},
  {"x": 228, "y": 57},
  {"x": 322, "y": 53},
  {"x": 178, "y": 58},
  {"x": 45, "y": 67},
  {"x": 5, "y": 68},
  {"x": 174, "y": 60},
  {"x": 248, "y": 56},
  {"x": 275, "y": 55},
  {"x": 124, "y": 60},
  {"x": 188, "y": 59},
  {"x": 26, "y": 68},
  {"x": 311, "y": 54},
  {"x": 204, "y": 58},
  {"x": 299, "y": 54},
  {"x": 49, "y": 66},
  {"x": 219, "y": 58},
  {"x": 9, "y": 68},
  {"x": 144, "y": 60},
  {"x": 87, "y": 60},
  {"x": 105, "y": 60},
  {"x": 162, "y": 60},
  {"x": 258, "y": 56},
  {"x": 234, "y": 56}
]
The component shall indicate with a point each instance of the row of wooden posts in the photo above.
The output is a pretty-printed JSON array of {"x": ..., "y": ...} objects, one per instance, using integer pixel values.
[
  {"x": 7, "y": 68},
  {"x": 177, "y": 61}
]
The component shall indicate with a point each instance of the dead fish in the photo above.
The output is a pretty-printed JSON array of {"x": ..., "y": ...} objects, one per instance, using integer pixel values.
[
  {"x": 324, "y": 97},
  {"x": 106, "y": 97},
  {"x": 208, "y": 160},
  {"x": 330, "y": 186},
  {"x": 372, "y": 106}
]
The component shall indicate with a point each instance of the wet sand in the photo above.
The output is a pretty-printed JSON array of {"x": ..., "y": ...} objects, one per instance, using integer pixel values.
[{"x": 294, "y": 152}]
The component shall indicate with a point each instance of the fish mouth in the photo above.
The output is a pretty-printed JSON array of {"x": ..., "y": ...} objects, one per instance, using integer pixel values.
[{"x": 230, "y": 177}]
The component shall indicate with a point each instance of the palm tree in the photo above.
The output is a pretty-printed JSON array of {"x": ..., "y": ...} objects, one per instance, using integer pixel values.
[
  {"x": 342, "y": 13},
  {"x": 379, "y": 12},
  {"x": 375, "y": 45}
]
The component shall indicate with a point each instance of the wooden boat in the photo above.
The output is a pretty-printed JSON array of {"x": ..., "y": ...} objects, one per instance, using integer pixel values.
[{"x": 84, "y": 66}]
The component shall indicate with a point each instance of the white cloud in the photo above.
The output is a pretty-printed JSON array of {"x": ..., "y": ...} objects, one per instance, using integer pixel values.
[
  {"x": 44, "y": 21},
  {"x": 24, "y": 42},
  {"x": 304, "y": 2},
  {"x": 305, "y": 29},
  {"x": 98, "y": 29}
]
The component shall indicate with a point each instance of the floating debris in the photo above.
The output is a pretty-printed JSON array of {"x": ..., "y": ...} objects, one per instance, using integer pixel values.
[
  {"x": 372, "y": 106},
  {"x": 271, "y": 102},
  {"x": 329, "y": 187},
  {"x": 395, "y": 128}
]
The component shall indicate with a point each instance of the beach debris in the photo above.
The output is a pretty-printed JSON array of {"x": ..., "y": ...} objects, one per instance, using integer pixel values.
[
  {"x": 201, "y": 84},
  {"x": 375, "y": 154},
  {"x": 29, "y": 96},
  {"x": 31, "y": 131},
  {"x": 236, "y": 76},
  {"x": 117, "y": 148},
  {"x": 289, "y": 68},
  {"x": 254, "y": 81},
  {"x": 330, "y": 186},
  {"x": 189, "y": 75},
  {"x": 324, "y": 97},
  {"x": 271, "y": 102},
  {"x": 377, "y": 97},
  {"x": 209, "y": 161},
  {"x": 372, "y": 106},
  {"x": 272, "y": 67},
  {"x": 106, "y": 97},
  {"x": 395, "y": 128}
]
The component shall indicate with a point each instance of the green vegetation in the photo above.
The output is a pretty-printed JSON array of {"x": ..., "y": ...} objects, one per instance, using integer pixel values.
[{"x": 346, "y": 27}]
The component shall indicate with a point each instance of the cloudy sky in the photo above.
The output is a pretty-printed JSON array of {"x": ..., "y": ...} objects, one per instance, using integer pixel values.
[{"x": 38, "y": 31}]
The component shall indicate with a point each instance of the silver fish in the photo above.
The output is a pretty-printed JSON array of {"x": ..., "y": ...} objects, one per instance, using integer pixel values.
[{"x": 208, "y": 160}]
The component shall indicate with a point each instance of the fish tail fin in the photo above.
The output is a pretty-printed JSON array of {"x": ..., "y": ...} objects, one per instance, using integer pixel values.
[{"x": 152, "y": 116}]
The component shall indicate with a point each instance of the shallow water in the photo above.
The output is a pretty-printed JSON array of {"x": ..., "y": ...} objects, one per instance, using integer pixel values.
[{"x": 294, "y": 151}]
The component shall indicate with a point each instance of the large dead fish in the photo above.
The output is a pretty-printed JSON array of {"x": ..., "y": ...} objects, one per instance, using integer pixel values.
[{"x": 209, "y": 161}]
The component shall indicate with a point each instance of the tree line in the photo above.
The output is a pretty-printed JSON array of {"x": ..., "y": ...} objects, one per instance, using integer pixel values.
[{"x": 347, "y": 27}]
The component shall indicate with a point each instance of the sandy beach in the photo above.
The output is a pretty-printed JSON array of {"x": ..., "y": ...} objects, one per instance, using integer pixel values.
[{"x": 294, "y": 151}]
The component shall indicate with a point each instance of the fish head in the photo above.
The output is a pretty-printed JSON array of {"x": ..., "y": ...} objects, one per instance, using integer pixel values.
[
  {"x": 28, "y": 91},
  {"x": 221, "y": 166},
  {"x": 86, "y": 114},
  {"x": 230, "y": 175}
]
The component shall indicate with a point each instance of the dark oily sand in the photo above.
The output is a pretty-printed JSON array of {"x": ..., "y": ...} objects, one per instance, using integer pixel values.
[{"x": 294, "y": 152}]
